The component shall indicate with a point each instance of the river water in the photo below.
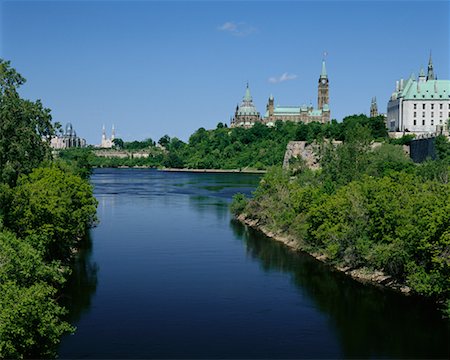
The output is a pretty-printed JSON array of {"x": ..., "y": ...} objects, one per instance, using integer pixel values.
[{"x": 168, "y": 274}]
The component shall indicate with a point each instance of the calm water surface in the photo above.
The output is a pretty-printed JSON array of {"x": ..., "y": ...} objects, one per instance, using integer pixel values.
[{"x": 169, "y": 275}]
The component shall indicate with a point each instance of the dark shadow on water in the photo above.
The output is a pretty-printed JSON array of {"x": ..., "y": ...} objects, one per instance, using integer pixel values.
[
  {"x": 370, "y": 322},
  {"x": 82, "y": 283}
]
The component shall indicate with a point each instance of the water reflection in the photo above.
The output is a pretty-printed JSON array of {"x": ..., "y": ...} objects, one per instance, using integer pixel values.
[
  {"x": 82, "y": 283},
  {"x": 369, "y": 321}
]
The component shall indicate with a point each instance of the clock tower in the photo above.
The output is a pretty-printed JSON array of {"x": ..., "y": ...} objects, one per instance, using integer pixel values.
[{"x": 322, "y": 97}]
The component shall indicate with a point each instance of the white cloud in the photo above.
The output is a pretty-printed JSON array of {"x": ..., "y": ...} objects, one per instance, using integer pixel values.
[
  {"x": 237, "y": 29},
  {"x": 284, "y": 77}
]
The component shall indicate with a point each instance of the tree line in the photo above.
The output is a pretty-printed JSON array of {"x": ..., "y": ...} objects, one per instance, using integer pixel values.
[
  {"x": 258, "y": 147},
  {"x": 46, "y": 208}
]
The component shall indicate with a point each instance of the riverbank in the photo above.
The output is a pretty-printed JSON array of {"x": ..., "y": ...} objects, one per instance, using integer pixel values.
[
  {"x": 216, "y": 171},
  {"x": 363, "y": 275},
  {"x": 213, "y": 171}
]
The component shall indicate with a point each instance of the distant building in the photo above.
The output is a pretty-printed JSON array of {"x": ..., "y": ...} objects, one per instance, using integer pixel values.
[
  {"x": 419, "y": 105},
  {"x": 246, "y": 114},
  {"x": 107, "y": 143},
  {"x": 373, "y": 108},
  {"x": 68, "y": 139}
]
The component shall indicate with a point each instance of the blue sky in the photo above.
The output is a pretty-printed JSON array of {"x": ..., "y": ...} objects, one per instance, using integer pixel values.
[{"x": 154, "y": 68}]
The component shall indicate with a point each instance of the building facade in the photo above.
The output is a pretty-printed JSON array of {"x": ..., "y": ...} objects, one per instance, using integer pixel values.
[
  {"x": 246, "y": 114},
  {"x": 68, "y": 139},
  {"x": 419, "y": 105},
  {"x": 107, "y": 143}
]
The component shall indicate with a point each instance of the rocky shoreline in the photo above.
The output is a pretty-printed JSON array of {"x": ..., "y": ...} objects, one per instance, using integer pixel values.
[{"x": 363, "y": 275}]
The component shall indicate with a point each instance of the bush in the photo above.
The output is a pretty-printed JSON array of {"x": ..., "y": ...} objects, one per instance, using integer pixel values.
[{"x": 238, "y": 205}]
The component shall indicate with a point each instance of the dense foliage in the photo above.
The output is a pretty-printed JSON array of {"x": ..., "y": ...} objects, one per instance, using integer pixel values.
[
  {"x": 45, "y": 210},
  {"x": 367, "y": 207},
  {"x": 258, "y": 147}
]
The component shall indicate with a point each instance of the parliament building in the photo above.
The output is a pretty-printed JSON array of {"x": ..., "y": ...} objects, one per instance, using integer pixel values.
[{"x": 246, "y": 114}]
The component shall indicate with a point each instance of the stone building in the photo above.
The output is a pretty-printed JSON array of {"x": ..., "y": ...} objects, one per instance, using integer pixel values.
[
  {"x": 67, "y": 139},
  {"x": 107, "y": 143},
  {"x": 419, "y": 105},
  {"x": 246, "y": 114}
]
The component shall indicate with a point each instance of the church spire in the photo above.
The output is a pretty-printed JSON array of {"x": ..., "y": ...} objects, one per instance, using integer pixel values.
[
  {"x": 430, "y": 75},
  {"x": 373, "y": 108}
]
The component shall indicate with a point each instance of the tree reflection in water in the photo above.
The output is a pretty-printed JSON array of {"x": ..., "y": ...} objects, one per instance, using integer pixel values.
[
  {"x": 370, "y": 321},
  {"x": 82, "y": 283}
]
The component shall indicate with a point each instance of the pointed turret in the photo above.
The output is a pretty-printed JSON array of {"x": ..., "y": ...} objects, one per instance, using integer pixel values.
[
  {"x": 247, "y": 96},
  {"x": 430, "y": 74},
  {"x": 422, "y": 76}
]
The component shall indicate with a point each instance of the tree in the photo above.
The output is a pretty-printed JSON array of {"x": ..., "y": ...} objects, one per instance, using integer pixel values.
[
  {"x": 25, "y": 128},
  {"x": 118, "y": 143},
  {"x": 55, "y": 204},
  {"x": 164, "y": 141}
]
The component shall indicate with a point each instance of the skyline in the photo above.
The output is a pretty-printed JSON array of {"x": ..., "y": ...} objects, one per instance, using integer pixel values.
[{"x": 153, "y": 68}]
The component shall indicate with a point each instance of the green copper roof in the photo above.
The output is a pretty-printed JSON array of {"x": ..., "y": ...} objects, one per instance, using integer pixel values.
[
  {"x": 295, "y": 110},
  {"x": 247, "y": 107},
  {"x": 247, "y": 96},
  {"x": 286, "y": 110},
  {"x": 323, "y": 74},
  {"x": 425, "y": 90},
  {"x": 315, "y": 113}
]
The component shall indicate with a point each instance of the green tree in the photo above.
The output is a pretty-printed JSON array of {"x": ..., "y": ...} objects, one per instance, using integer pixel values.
[
  {"x": 25, "y": 128},
  {"x": 118, "y": 143},
  {"x": 55, "y": 204},
  {"x": 164, "y": 141}
]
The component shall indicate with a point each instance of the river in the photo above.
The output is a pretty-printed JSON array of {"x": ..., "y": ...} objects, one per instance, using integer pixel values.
[{"x": 168, "y": 274}]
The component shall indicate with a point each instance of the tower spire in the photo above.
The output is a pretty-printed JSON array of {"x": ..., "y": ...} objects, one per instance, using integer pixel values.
[
  {"x": 247, "y": 96},
  {"x": 430, "y": 74},
  {"x": 323, "y": 74},
  {"x": 322, "y": 98}
]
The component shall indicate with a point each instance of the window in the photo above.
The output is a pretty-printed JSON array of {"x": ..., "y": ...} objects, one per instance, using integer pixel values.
[
  {"x": 423, "y": 121},
  {"x": 415, "y": 122},
  {"x": 440, "y": 113},
  {"x": 415, "y": 106},
  {"x": 441, "y": 106},
  {"x": 432, "y": 114},
  {"x": 432, "y": 106},
  {"x": 415, "y": 114},
  {"x": 432, "y": 122},
  {"x": 423, "y": 106},
  {"x": 423, "y": 114}
]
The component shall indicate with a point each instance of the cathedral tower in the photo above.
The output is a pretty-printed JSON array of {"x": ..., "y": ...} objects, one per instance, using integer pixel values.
[
  {"x": 373, "y": 108},
  {"x": 322, "y": 98}
]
